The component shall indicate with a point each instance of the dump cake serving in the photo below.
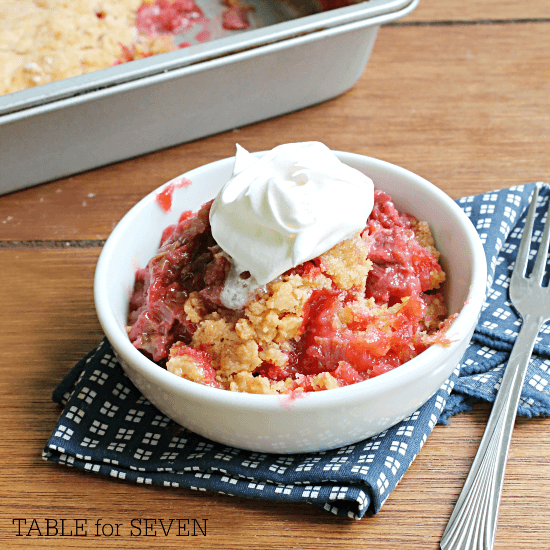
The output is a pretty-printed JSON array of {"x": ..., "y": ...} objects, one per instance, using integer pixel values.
[
  {"x": 299, "y": 276},
  {"x": 44, "y": 41}
]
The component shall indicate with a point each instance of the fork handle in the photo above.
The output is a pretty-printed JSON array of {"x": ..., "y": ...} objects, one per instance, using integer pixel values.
[{"x": 473, "y": 523}]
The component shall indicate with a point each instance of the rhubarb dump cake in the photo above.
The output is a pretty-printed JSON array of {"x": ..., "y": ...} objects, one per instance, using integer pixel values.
[
  {"x": 43, "y": 41},
  {"x": 360, "y": 307}
]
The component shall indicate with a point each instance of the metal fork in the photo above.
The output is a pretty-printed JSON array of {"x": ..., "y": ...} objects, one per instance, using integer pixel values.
[{"x": 473, "y": 523}]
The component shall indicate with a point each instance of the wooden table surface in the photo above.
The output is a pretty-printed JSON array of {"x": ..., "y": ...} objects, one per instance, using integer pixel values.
[{"x": 458, "y": 92}]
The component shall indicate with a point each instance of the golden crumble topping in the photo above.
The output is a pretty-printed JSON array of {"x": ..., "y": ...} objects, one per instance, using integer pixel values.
[{"x": 46, "y": 40}]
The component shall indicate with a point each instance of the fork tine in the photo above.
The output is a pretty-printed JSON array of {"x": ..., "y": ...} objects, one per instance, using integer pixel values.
[
  {"x": 542, "y": 254},
  {"x": 525, "y": 244}
]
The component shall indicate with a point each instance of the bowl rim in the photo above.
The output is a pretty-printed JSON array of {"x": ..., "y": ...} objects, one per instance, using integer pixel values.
[{"x": 436, "y": 354}]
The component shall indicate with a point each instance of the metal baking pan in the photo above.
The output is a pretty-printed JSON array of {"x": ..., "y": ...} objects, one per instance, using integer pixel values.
[{"x": 285, "y": 62}]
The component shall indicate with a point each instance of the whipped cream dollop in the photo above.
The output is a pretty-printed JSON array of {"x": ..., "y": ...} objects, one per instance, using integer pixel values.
[{"x": 292, "y": 204}]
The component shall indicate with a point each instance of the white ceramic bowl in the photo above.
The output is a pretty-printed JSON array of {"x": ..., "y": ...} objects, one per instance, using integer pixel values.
[{"x": 320, "y": 420}]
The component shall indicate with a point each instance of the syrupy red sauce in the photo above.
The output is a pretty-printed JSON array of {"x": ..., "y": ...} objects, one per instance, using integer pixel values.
[
  {"x": 351, "y": 349},
  {"x": 401, "y": 267},
  {"x": 171, "y": 17},
  {"x": 168, "y": 17},
  {"x": 164, "y": 197}
]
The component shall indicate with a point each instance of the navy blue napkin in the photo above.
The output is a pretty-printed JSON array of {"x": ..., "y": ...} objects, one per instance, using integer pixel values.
[
  {"x": 499, "y": 218},
  {"x": 107, "y": 426}
]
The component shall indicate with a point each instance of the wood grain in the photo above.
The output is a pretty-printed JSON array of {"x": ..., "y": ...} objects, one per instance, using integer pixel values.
[
  {"x": 509, "y": 11},
  {"x": 458, "y": 93}
]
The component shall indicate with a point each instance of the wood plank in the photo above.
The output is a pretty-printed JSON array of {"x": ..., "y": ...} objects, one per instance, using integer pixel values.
[
  {"x": 486, "y": 10},
  {"x": 436, "y": 100}
]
